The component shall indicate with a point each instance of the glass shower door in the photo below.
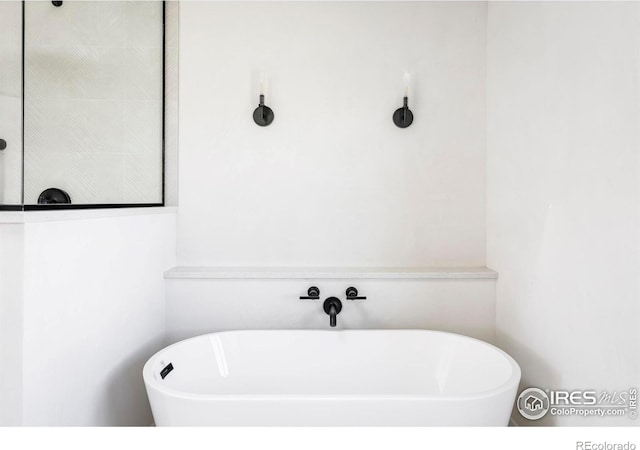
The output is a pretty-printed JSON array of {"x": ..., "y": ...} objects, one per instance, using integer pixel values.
[
  {"x": 81, "y": 104},
  {"x": 10, "y": 103}
]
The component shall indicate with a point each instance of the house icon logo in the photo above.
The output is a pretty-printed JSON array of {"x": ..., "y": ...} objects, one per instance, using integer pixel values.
[{"x": 533, "y": 403}]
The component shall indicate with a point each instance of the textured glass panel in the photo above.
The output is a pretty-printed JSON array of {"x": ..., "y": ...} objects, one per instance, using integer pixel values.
[
  {"x": 10, "y": 103},
  {"x": 93, "y": 101}
]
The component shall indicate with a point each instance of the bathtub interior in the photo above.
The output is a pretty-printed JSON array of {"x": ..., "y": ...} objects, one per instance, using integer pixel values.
[{"x": 355, "y": 362}]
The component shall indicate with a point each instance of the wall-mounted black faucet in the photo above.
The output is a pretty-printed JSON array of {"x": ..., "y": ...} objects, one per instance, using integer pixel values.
[{"x": 332, "y": 306}]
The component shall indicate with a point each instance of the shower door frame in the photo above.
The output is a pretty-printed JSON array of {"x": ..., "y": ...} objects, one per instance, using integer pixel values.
[{"x": 61, "y": 206}]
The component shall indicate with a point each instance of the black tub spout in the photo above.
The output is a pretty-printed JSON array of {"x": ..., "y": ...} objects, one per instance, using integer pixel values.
[{"x": 332, "y": 306}]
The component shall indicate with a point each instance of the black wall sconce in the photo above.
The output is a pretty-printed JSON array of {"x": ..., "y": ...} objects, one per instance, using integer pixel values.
[
  {"x": 57, "y": 4},
  {"x": 403, "y": 117},
  {"x": 263, "y": 115}
]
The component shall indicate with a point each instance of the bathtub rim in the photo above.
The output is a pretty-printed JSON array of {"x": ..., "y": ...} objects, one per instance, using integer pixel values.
[{"x": 511, "y": 383}]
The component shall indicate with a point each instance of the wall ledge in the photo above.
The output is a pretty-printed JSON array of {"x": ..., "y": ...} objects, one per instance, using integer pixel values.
[
  {"x": 80, "y": 214},
  {"x": 419, "y": 273}
]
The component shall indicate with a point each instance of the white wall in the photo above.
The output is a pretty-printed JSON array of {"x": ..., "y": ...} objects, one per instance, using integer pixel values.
[
  {"x": 199, "y": 306},
  {"x": 11, "y": 295},
  {"x": 332, "y": 181},
  {"x": 563, "y": 192},
  {"x": 93, "y": 311}
]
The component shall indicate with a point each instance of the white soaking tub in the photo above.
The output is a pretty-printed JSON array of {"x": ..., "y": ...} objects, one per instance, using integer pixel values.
[{"x": 331, "y": 378}]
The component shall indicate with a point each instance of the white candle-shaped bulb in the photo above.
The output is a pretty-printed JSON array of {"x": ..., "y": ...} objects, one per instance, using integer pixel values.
[
  {"x": 406, "y": 79},
  {"x": 263, "y": 83}
]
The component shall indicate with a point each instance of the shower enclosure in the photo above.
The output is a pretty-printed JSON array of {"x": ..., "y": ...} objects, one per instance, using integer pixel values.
[{"x": 81, "y": 104}]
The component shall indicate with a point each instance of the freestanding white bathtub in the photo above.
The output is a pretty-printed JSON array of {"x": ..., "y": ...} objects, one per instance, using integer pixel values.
[{"x": 331, "y": 378}]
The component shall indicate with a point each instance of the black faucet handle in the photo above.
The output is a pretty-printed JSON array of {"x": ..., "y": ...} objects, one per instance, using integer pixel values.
[
  {"x": 313, "y": 293},
  {"x": 352, "y": 294}
]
